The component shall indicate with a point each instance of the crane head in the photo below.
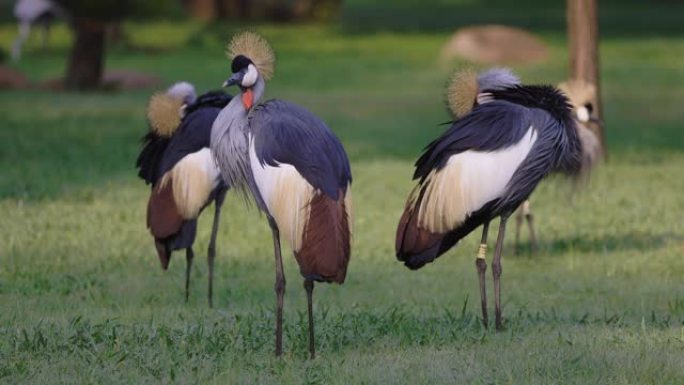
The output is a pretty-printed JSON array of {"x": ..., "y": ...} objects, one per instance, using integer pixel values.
[
  {"x": 249, "y": 48},
  {"x": 252, "y": 61},
  {"x": 244, "y": 73},
  {"x": 581, "y": 95}
]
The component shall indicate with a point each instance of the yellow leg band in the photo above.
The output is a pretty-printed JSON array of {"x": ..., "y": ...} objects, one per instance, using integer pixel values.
[{"x": 482, "y": 252}]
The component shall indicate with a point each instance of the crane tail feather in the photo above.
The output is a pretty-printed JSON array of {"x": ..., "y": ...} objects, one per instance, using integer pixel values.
[
  {"x": 163, "y": 252},
  {"x": 415, "y": 246},
  {"x": 326, "y": 243},
  {"x": 163, "y": 219}
]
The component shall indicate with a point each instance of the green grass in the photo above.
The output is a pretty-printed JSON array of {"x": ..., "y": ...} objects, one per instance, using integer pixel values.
[{"x": 84, "y": 300}]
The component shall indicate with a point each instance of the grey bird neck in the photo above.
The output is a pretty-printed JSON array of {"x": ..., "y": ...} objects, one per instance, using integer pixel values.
[{"x": 230, "y": 142}]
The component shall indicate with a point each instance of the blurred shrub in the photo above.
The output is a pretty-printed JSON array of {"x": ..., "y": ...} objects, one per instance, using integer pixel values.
[
  {"x": 105, "y": 10},
  {"x": 6, "y": 7},
  {"x": 268, "y": 10},
  {"x": 113, "y": 10},
  {"x": 156, "y": 9}
]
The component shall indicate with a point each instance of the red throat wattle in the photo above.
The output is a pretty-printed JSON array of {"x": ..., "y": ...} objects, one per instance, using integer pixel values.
[{"x": 248, "y": 98}]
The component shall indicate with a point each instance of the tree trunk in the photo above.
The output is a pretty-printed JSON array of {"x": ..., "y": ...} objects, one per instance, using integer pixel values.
[
  {"x": 302, "y": 9},
  {"x": 306, "y": 10},
  {"x": 236, "y": 9},
  {"x": 86, "y": 61},
  {"x": 205, "y": 10},
  {"x": 583, "y": 36}
]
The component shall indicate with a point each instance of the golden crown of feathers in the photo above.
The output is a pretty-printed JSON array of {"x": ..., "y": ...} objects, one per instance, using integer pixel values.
[
  {"x": 256, "y": 49},
  {"x": 461, "y": 92},
  {"x": 163, "y": 113}
]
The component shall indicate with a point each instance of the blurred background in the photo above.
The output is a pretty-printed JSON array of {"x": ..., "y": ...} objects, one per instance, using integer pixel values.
[
  {"x": 389, "y": 52},
  {"x": 80, "y": 285}
]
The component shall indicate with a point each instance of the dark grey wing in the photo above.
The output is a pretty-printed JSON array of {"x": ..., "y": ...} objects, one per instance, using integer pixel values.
[
  {"x": 159, "y": 154},
  {"x": 497, "y": 125},
  {"x": 151, "y": 154},
  {"x": 193, "y": 134},
  {"x": 216, "y": 98},
  {"x": 286, "y": 133},
  {"x": 488, "y": 127},
  {"x": 549, "y": 153},
  {"x": 556, "y": 106}
]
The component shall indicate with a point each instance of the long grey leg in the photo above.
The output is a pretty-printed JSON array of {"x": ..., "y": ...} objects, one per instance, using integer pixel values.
[
  {"x": 45, "y": 35},
  {"x": 481, "y": 263},
  {"x": 527, "y": 210},
  {"x": 24, "y": 31},
  {"x": 189, "y": 255},
  {"x": 519, "y": 217},
  {"x": 211, "y": 253},
  {"x": 497, "y": 270},
  {"x": 279, "y": 287},
  {"x": 309, "y": 286}
]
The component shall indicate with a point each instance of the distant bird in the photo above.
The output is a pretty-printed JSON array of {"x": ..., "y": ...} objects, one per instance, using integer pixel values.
[
  {"x": 293, "y": 166},
  {"x": 29, "y": 13},
  {"x": 581, "y": 95},
  {"x": 484, "y": 166},
  {"x": 177, "y": 162}
]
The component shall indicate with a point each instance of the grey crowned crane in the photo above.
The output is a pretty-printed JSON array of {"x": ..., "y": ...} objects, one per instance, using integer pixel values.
[
  {"x": 294, "y": 168},
  {"x": 462, "y": 96},
  {"x": 177, "y": 162},
  {"x": 484, "y": 166}
]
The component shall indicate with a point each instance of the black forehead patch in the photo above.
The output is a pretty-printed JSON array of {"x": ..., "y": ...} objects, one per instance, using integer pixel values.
[{"x": 240, "y": 62}]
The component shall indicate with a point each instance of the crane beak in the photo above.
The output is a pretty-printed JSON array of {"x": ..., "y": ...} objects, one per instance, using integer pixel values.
[{"x": 234, "y": 79}]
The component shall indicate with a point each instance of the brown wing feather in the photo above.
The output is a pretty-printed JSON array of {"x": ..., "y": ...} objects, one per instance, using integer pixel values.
[
  {"x": 163, "y": 252},
  {"x": 163, "y": 218},
  {"x": 412, "y": 239},
  {"x": 325, "y": 250}
]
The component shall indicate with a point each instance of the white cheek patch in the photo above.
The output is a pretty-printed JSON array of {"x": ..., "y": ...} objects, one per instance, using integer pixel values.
[
  {"x": 250, "y": 77},
  {"x": 583, "y": 114}
]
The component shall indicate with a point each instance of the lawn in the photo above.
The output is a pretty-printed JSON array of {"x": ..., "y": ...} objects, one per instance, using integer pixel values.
[{"x": 84, "y": 300}]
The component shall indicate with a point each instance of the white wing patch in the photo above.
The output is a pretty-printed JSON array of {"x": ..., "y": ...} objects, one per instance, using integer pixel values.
[
  {"x": 467, "y": 182},
  {"x": 193, "y": 178},
  {"x": 287, "y": 196}
]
